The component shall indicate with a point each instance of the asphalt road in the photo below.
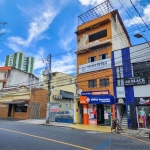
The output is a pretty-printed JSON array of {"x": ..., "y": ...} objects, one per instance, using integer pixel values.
[{"x": 22, "y": 136}]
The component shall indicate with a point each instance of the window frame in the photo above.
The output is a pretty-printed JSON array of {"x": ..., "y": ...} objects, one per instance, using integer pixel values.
[
  {"x": 106, "y": 82},
  {"x": 100, "y": 56},
  {"x": 119, "y": 79},
  {"x": 89, "y": 59},
  {"x": 94, "y": 85}
]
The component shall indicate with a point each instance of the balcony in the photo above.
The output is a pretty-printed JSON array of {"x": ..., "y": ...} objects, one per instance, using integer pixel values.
[
  {"x": 83, "y": 47},
  {"x": 95, "y": 66}
]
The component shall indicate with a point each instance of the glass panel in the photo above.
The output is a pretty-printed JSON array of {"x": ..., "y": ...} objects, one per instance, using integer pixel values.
[
  {"x": 143, "y": 116},
  {"x": 122, "y": 82},
  {"x": 118, "y": 83},
  {"x": 121, "y": 72}
]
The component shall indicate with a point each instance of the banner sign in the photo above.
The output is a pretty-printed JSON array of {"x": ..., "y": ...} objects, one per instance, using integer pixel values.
[
  {"x": 100, "y": 99},
  {"x": 143, "y": 101},
  {"x": 93, "y": 66},
  {"x": 135, "y": 81},
  {"x": 95, "y": 93}
]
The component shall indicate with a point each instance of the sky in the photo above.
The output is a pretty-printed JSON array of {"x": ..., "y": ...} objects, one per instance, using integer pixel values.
[{"x": 41, "y": 27}]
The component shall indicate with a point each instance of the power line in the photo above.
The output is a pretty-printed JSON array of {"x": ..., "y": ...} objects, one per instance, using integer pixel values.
[{"x": 139, "y": 14}]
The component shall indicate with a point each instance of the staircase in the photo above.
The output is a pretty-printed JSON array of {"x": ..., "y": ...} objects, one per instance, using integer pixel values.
[{"x": 124, "y": 120}]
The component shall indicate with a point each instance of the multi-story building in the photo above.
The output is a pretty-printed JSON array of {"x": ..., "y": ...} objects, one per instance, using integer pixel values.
[
  {"x": 12, "y": 77},
  {"x": 63, "y": 89},
  {"x": 101, "y": 31},
  {"x": 19, "y": 61},
  {"x": 131, "y": 71}
]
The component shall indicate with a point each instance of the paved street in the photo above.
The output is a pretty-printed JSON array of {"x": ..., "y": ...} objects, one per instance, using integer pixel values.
[{"x": 21, "y": 136}]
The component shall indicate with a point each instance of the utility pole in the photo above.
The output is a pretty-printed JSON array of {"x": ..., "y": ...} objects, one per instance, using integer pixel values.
[{"x": 49, "y": 59}]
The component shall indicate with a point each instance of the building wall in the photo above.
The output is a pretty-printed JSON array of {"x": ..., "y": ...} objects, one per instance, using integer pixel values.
[
  {"x": 119, "y": 38},
  {"x": 59, "y": 82},
  {"x": 17, "y": 77},
  {"x": 19, "y": 61}
]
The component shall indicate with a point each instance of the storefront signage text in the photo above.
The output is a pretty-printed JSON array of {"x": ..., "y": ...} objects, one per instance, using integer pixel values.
[
  {"x": 95, "y": 93},
  {"x": 143, "y": 101},
  {"x": 97, "y": 65},
  {"x": 57, "y": 97},
  {"x": 135, "y": 81}
]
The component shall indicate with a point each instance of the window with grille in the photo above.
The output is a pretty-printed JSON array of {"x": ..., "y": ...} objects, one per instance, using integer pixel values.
[
  {"x": 104, "y": 82},
  {"x": 103, "y": 56},
  {"x": 91, "y": 59},
  {"x": 119, "y": 76},
  {"x": 92, "y": 83}
]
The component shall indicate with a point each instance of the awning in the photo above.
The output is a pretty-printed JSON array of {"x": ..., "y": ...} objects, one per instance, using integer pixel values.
[{"x": 16, "y": 102}]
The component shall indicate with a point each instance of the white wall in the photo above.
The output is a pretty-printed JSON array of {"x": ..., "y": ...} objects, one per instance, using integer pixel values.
[
  {"x": 120, "y": 92},
  {"x": 140, "y": 53},
  {"x": 142, "y": 91},
  {"x": 119, "y": 39},
  {"x": 18, "y": 78},
  {"x": 118, "y": 58}
]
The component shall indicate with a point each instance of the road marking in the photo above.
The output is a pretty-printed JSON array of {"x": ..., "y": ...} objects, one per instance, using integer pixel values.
[
  {"x": 93, "y": 132},
  {"x": 48, "y": 139}
]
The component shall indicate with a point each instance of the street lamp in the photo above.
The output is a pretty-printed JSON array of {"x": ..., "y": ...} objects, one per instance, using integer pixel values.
[{"x": 138, "y": 35}]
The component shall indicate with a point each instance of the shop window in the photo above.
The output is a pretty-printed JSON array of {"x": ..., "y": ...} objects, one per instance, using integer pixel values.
[
  {"x": 98, "y": 35},
  {"x": 20, "y": 108},
  {"x": 103, "y": 56},
  {"x": 143, "y": 116},
  {"x": 141, "y": 69},
  {"x": 119, "y": 76},
  {"x": 104, "y": 82},
  {"x": 92, "y": 83},
  {"x": 91, "y": 59}
]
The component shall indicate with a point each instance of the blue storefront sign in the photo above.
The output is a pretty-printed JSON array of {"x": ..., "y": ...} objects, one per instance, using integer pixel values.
[{"x": 98, "y": 99}]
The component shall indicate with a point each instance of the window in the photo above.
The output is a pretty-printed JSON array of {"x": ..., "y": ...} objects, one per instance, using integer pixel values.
[
  {"x": 20, "y": 108},
  {"x": 98, "y": 35},
  {"x": 104, "y": 82},
  {"x": 91, "y": 59},
  {"x": 92, "y": 83},
  {"x": 141, "y": 69},
  {"x": 119, "y": 74},
  {"x": 103, "y": 56},
  {"x": 5, "y": 75}
]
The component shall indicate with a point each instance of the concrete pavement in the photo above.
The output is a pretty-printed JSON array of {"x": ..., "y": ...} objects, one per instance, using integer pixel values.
[{"x": 74, "y": 126}]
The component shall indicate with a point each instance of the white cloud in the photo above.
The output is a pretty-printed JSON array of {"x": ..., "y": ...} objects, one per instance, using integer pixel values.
[
  {"x": 67, "y": 36},
  {"x": 41, "y": 17},
  {"x": 97, "y": 2},
  {"x": 137, "y": 19},
  {"x": 65, "y": 64}
]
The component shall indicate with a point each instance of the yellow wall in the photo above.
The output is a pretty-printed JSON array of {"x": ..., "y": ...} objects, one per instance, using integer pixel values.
[{"x": 62, "y": 82}]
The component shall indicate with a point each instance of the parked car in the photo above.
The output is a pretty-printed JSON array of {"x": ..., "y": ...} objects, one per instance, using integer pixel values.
[{"x": 68, "y": 114}]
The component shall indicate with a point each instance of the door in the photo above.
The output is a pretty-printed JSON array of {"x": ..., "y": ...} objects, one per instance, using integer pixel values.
[
  {"x": 100, "y": 114},
  {"x": 133, "y": 116},
  {"x": 34, "y": 110},
  {"x": 80, "y": 113},
  {"x": 9, "y": 110}
]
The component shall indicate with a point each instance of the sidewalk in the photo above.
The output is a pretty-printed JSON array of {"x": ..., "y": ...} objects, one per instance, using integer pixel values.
[{"x": 95, "y": 128}]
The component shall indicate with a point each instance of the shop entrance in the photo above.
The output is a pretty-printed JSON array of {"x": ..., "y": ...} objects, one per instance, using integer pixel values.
[
  {"x": 100, "y": 114},
  {"x": 9, "y": 110}
]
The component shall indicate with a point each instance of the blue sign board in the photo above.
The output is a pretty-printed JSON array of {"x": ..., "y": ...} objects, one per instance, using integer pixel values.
[{"x": 95, "y": 98}]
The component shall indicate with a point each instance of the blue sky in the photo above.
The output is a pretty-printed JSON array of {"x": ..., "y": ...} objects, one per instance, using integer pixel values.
[{"x": 40, "y": 27}]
